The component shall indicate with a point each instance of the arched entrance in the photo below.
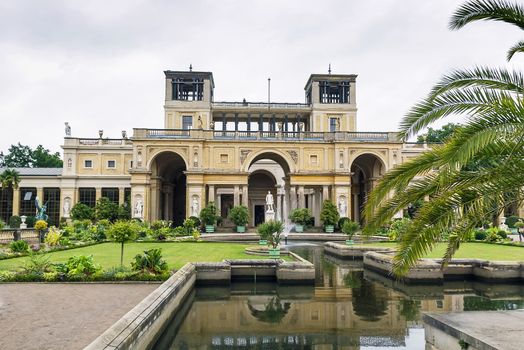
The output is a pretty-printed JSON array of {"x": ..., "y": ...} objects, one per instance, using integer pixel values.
[
  {"x": 366, "y": 169},
  {"x": 168, "y": 188},
  {"x": 268, "y": 172}
]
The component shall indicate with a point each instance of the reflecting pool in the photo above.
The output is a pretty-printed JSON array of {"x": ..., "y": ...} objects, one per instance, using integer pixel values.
[{"x": 348, "y": 308}]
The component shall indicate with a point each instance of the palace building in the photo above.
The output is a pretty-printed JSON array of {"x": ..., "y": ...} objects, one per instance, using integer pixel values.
[{"x": 229, "y": 153}]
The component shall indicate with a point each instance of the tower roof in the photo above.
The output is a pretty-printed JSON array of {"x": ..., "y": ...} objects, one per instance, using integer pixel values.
[{"x": 171, "y": 74}]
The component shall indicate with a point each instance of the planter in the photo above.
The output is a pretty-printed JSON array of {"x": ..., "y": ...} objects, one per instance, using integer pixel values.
[
  {"x": 262, "y": 242},
  {"x": 210, "y": 228},
  {"x": 274, "y": 252},
  {"x": 349, "y": 242},
  {"x": 241, "y": 229},
  {"x": 329, "y": 228},
  {"x": 299, "y": 228}
]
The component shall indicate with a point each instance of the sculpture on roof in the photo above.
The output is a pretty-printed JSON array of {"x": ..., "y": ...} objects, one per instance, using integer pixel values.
[{"x": 67, "y": 129}]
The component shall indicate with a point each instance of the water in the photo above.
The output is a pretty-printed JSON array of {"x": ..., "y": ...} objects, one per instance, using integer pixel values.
[{"x": 349, "y": 308}]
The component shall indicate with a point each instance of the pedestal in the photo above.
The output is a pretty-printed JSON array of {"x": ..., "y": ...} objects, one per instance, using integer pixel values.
[{"x": 270, "y": 215}]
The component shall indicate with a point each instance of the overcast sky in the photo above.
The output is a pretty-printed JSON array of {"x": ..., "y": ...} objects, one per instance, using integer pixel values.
[{"x": 99, "y": 64}]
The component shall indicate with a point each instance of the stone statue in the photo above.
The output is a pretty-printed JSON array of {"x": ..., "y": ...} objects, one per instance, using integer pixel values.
[
  {"x": 139, "y": 208},
  {"x": 67, "y": 207},
  {"x": 195, "y": 207},
  {"x": 40, "y": 211},
  {"x": 269, "y": 201},
  {"x": 342, "y": 206},
  {"x": 502, "y": 225},
  {"x": 212, "y": 125},
  {"x": 67, "y": 129},
  {"x": 200, "y": 124}
]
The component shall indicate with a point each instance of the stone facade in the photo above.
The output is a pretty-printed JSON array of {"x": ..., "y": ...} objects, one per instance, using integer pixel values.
[{"x": 231, "y": 152}]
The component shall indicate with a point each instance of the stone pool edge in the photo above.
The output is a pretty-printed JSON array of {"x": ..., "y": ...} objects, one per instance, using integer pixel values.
[
  {"x": 141, "y": 327},
  {"x": 380, "y": 260}
]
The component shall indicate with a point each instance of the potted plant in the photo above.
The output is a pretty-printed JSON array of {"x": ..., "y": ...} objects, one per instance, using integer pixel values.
[
  {"x": 208, "y": 216},
  {"x": 270, "y": 232},
  {"x": 350, "y": 228},
  {"x": 41, "y": 226},
  {"x": 239, "y": 215},
  {"x": 329, "y": 216},
  {"x": 300, "y": 217}
]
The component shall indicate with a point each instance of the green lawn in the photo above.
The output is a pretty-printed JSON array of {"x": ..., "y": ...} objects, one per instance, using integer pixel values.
[
  {"x": 176, "y": 254},
  {"x": 473, "y": 250}
]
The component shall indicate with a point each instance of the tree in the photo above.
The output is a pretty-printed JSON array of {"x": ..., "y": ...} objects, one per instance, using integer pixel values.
[
  {"x": 123, "y": 231},
  {"x": 478, "y": 167},
  {"x": 21, "y": 156},
  {"x": 438, "y": 135},
  {"x": 9, "y": 178}
]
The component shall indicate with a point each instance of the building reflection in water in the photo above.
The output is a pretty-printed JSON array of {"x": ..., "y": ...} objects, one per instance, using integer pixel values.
[{"x": 349, "y": 308}]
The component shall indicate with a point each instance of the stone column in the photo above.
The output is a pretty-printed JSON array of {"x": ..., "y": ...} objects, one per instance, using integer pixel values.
[
  {"x": 318, "y": 206},
  {"x": 293, "y": 197},
  {"x": 97, "y": 196},
  {"x": 356, "y": 213},
  {"x": 325, "y": 193},
  {"x": 245, "y": 201},
  {"x": 40, "y": 194},
  {"x": 121, "y": 193},
  {"x": 218, "y": 204},
  {"x": 236, "y": 195},
  {"x": 16, "y": 201},
  {"x": 313, "y": 204},
  {"x": 285, "y": 208},
  {"x": 279, "y": 205},
  {"x": 301, "y": 198},
  {"x": 211, "y": 194}
]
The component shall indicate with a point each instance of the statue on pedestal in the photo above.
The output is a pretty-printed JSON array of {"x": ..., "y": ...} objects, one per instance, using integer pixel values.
[
  {"x": 139, "y": 209},
  {"x": 41, "y": 211},
  {"x": 269, "y": 202}
]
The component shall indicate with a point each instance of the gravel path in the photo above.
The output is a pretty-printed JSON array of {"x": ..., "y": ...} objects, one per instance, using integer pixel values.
[{"x": 62, "y": 316}]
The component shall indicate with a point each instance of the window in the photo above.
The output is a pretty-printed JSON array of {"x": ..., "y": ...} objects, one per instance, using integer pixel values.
[
  {"x": 6, "y": 203},
  {"x": 88, "y": 163},
  {"x": 188, "y": 89},
  {"x": 52, "y": 199},
  {"x": 187, "y": 122},
  {"x": 111, "y": 164},
  {"x": 334, "y": 91},
  {"x": 111, "y": 193},
  {"x": 87, "y": 196},
  {"x": 27, "y": 201},
  {"x": 333, "y": 124}
]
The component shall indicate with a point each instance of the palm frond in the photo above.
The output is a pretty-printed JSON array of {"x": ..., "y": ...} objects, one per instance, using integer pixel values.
[
  {"x": 489, "y": 10},
  {"x": 518, "y": 47}
]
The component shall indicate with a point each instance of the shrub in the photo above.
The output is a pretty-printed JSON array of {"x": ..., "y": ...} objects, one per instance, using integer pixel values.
[
  {"x": 64, "y": 241},
  {"x": 40, "y": 225},
  {"x": 341, "y": 222},
  {"x": 78, "y": 266},
  {"x": 37, "y": 264},
  {"x": 81, "y": 211},
  {"x": 480, "y": 235},
  {"x": 196, "y": 221},
  {"x": 2, "y": 224},
  {"x": 502, "y": 234},
  {"x": 150, "y": 261},
  {"x": 123, "y": 231},
  {"x": 124, "y": 211},
  {"x": 239, "y": 214},
  {"x": 19, "y": 246},
  {"x": 300, "y": 216},
  {"x": 161, "y": 234},
  {"x": 15, "y": 221},
  {"x": 398, "y": 228},
  {"x": 349, "y": 228},
  {"x": 30, "y": 221},
  {"x": 329, "y": 213},
  {"x": 510, "y": 221},
  {"x": 158, "y": 224},
  {"x": 270, "y": 231},
  {"x": 208, "y": 214},
  {"x": 53, "y": 237},
  {"x": 106, "y": 209}
]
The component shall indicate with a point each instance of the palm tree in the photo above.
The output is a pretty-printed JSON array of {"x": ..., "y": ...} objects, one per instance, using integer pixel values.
[
  {"x": 9, "y": 178},
  {"x": 475, "y": 170}
]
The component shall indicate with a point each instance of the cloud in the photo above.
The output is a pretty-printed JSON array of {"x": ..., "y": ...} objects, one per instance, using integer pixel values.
[{"x": 98, "y": 64}]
